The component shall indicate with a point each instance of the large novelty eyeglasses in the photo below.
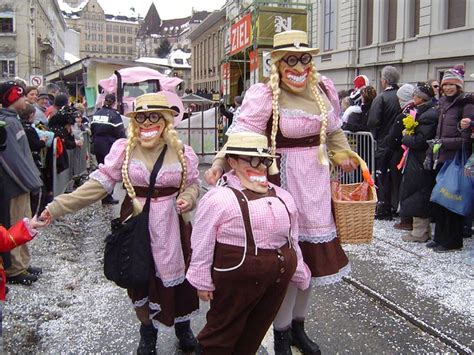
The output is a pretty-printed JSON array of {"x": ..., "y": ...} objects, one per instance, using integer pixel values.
[
  {"x": 256, "y": 161},
  {"x": 152, "y": 117},
  {"x": 292, "y": 60}
]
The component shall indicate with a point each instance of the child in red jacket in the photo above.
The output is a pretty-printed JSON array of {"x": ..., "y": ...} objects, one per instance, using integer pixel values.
[{"x": 23, "y": 231}]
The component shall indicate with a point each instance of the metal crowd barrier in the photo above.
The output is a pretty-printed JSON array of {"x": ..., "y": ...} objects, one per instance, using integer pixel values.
[
  {"x": 362, "y": 143},
  {"x": 79, "y": 159}
]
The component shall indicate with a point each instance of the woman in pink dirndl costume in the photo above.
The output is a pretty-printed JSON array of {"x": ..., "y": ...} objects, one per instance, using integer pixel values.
[{"x": 298, "y": 110}]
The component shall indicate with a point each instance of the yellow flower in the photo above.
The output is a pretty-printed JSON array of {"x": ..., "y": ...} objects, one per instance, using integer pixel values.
[{"x": 410, "y": 125}]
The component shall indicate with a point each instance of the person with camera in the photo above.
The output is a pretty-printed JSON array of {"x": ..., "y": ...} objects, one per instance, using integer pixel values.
[{"x": 168, "y": 298}]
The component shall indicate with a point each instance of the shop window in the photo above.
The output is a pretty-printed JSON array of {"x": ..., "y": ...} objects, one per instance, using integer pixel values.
[
  {"x": 329, "y": 24},
  {"x": 8, "y": 68},
  {"x": 456, "y": 13}
]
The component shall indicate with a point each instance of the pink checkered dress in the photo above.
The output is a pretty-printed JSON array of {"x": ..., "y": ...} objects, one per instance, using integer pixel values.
[
  {"x": 164, "y": 223},
  {"x": 219, "y": 219},
  {"x": 301, "y": 173}
]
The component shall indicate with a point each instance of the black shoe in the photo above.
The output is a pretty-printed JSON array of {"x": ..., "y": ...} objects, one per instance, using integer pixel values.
[
  {"x": 441, "y": 249},
  {"x": 187, "y": 340},
  {"x": 431, "y": 244},
  {"x": 282, "y": 342},
  {"x": 109, "y": 200},
  {"x": 24, "y": 278},
  {"x": 301, "y": 340},
  {"x": 34, "y": 270},
  {"x": 147, "y": 344}
]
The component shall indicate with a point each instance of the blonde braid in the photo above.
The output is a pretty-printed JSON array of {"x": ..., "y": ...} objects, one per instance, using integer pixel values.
[
  {"x": 275, "y": 86},
  {"x": 322, "y": 152},
  {"x": 171, "y": 137},
  {"x": 133, "y": 132}
]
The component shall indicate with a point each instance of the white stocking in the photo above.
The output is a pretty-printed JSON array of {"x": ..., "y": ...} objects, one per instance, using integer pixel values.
[
  {"x": 301, "y": 304},
  {"x": 285, "y": 313}
]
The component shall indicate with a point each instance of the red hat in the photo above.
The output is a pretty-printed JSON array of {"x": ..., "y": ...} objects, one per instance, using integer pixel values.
[
  {"x": 10, "y": 92},
  {"x": 360, "y": 82}
]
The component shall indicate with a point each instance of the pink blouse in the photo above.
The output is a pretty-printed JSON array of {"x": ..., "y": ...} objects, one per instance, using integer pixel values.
[
  {"x": 164, "y": 223},
  {"x": 219, "y": 219},
  {"x": 301, "y": 173}
]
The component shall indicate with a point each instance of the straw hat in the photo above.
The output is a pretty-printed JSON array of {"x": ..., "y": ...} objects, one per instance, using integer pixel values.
[
  {"x": 153, "y": 102},
  {"x": 291, "y": 41},
  {"x": 249, "y": 144}
]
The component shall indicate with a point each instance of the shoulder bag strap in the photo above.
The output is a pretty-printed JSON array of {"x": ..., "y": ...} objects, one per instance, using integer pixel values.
[{"x": 154, "y": 173}]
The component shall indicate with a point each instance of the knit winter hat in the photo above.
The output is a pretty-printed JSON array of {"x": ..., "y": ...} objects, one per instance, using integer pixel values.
[
  {"x": 424, "y": 91},
  {"x": 405, "y": 94},
  {"x": 356, "y": 97},
  {"x": 455, "y": 76},
  {"x": 10, "y": 92},
  {"x": 360, "y": 82}
]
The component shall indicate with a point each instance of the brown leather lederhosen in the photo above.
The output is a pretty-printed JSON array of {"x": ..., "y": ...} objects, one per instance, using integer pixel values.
[
  {"x": 246, "y": 297},
  {"x": 175, "y": 302},
  {"x": 323, "y": 259}
]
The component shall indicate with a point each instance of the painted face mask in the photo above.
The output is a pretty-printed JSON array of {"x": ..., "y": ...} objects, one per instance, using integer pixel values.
[
  {"x": 295, "y": 69},
  {"x": 151, "y": 126},
  {"x": 252, "y": 172}
]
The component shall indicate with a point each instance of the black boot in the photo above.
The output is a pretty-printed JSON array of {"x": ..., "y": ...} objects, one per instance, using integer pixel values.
[
  {"x": 187, "y": 341},
  {"x": 282, "y": 341},
  {"x": 301, "y": 340},
  {"x": 147, "y": 343}
]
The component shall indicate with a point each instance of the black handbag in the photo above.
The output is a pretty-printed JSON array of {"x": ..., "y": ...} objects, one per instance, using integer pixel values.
[{"x": 127, "y": 257}]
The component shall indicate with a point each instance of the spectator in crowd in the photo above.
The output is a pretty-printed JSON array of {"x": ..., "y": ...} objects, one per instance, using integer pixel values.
[
  {"x": 41, "y": 105},
  {"x": 355, "y": 118},
  {"x": 21, "y": 178},
  {"x": 60, "y": 101},
  {"x": 417, "y": 184},
  {"x": 393, "y": 142},
  {"x": 31, "y": 93},
  {"x": 435, "y": 86},
  {"x": 232, "y": 114},
  {"x": 106, "y": 127},
  {"x": 454, "y": 105},
  {"x": 82, "y": 110},
  {"x": 382, "y": 115},
  {"x": 37, "y": 146}
]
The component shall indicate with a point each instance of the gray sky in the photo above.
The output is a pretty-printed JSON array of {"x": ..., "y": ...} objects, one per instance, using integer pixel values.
[{"x": 166, "y": 9}]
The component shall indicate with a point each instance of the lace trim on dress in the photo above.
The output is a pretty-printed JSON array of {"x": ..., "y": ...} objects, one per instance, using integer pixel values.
[
  {"x": 140, "y": 303},
  {"x": 331, "y": 279},
  {"x": 172, "y": 283},
  {"x": 102, "y": 179},
  {"x": 295, "y": 112},
  {"x": 283, "y": 178},
  {"x": 318, "y": 239},
  {"x": 155, "y": 307},
  {"x": 162, "y": 327}
]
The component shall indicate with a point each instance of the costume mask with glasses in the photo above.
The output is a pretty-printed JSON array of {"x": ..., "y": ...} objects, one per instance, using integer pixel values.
[
  {"x": 295, "y": 69},
  {"x": 150, "y": 127}
]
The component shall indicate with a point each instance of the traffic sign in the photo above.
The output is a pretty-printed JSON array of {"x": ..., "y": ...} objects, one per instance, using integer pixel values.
[{"x": 36, "y": 80}]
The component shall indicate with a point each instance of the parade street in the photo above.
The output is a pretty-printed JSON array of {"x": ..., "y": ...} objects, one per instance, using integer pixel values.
[{"x": 400, "y": 298}]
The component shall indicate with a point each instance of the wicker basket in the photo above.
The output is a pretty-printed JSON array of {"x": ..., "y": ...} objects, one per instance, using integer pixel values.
[{"x": 355, "y": 219}]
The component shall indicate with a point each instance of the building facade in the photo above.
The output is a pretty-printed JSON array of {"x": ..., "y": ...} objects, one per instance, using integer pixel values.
[
  {"x": 422, "y": 38},
  {"x": 101, "y": 35},
  {"x": 31, "y": 38},
  {"x": 207, "y": 42},
  {"x": 153, "y": 31}
]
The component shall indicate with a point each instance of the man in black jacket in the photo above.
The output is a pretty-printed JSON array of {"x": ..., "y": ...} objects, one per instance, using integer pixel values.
[
  {"x": 106, "y": 127},
  {"x": 382, "y": 115}
]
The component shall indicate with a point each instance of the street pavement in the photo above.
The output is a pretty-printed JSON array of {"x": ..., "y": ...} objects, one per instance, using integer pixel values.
[{"x": 400, "y": 298}]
